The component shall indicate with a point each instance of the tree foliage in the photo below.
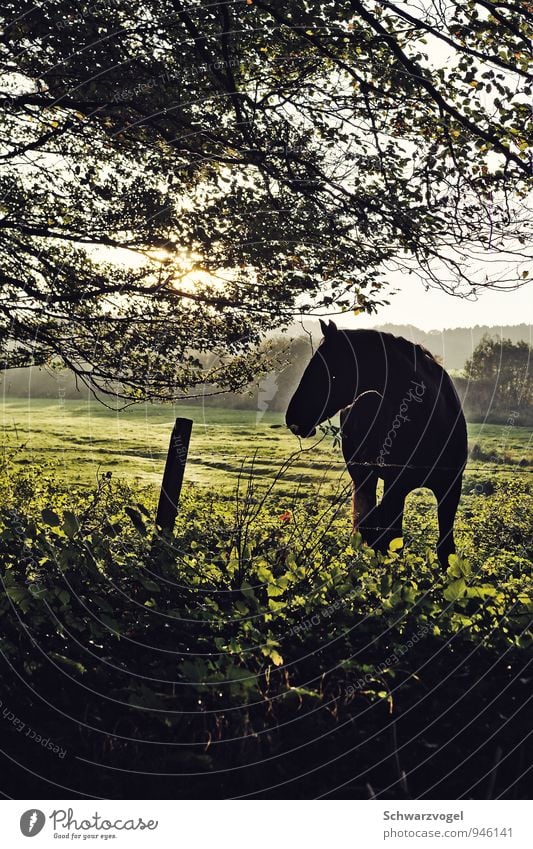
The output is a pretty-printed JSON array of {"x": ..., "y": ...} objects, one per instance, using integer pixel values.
[
  {"x": 258, "y": 159},
  {"x": 503, "y": 370}
]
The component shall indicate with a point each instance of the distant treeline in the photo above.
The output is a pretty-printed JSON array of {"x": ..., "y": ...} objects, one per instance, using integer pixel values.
[
  {"x": 455, "y": 346},
  {"x": 494, "y": 383}
]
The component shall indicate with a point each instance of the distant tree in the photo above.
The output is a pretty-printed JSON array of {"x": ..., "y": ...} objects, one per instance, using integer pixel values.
[
  {"x": 505, "y": 370},
  {"x": 283, "y": 361},
  {"x": 258, "y": 159}
]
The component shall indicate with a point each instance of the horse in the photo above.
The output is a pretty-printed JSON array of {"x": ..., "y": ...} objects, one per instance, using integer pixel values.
[{"x": 401, "y": 421}]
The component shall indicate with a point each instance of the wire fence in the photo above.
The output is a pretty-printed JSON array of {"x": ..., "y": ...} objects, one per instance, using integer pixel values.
[
  {"x": 492, "y": 467},
  {"x": 510, "y": 468}
]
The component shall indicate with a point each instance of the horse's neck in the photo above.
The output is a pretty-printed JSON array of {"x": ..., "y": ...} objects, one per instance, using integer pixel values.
[
  {"x": 372, "y": 381},
  {"x": 378, "y": 368}
]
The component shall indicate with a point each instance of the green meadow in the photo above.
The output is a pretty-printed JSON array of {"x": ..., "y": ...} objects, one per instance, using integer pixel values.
[
  {"x": 80, "y": 441},
  {"x": 234, "y": 451}
]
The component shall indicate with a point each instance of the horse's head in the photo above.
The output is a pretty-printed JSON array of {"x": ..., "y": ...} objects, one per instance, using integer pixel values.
[{"x": 323, "y": 389}]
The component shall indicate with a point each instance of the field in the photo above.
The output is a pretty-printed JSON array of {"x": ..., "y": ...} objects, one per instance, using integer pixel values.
[
  {"x": 80, "y": 440},
  {"x": 263, "y": 651}
]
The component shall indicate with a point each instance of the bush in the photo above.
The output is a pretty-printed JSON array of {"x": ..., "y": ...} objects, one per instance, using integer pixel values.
[{"x": 260, "y": 651}]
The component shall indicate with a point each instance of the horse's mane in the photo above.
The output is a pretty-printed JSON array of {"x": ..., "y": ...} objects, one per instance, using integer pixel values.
[
  {"x": 409, "y": 346},
  {"x": 410, "y": 349}
]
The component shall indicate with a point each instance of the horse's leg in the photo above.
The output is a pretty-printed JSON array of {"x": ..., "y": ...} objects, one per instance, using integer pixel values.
[
  {"x": 391, "y": 512},
  {"x": 364, "y": 509},
  {"x": 448, "y": 500}
]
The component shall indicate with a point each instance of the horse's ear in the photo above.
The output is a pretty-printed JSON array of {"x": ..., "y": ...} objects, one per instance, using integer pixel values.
[{"x": 328, "y": 330}]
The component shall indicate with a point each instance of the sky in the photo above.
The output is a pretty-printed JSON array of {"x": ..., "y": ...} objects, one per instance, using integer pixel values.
[{"x": 437, "y": 310}]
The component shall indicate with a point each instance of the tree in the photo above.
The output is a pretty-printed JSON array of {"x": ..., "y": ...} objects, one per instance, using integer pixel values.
[
  {"x": 502, "y": 371},
  {"x": 259, "y": 159}
]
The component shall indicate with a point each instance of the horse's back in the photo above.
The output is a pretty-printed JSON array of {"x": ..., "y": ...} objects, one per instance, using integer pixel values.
[{"x": 413, "y": 418}]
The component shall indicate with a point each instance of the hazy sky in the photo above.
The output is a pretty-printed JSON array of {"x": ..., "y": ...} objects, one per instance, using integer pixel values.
[{"x": 435, "y": 310}]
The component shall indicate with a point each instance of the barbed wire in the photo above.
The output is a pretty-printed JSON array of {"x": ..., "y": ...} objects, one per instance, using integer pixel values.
[
  {"x": 512, "y": 470},
  {"x": 375, "y": 465}
]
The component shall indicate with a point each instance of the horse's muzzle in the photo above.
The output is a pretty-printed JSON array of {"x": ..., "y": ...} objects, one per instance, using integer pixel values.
[{"x": 296, "y": 429}]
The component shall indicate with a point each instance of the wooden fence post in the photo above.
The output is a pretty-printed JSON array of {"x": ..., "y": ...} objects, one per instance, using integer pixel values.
[{"x": 173, "y": 475}]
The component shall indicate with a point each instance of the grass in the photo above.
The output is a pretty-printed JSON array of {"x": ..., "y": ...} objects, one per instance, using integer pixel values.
[{"x": 78, "y": 440}]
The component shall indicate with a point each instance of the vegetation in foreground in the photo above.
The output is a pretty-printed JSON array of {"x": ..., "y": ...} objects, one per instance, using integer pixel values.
[{"x": 262, "y": 652}]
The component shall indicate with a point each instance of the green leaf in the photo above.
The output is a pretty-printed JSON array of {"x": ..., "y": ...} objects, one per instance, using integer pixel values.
[
  {"x": 455, "y": 590},
  {"x": 355, "y": 541},
  {"x": 111, "y": 623},
  {"x": 19, "y": 596},
  {"x": 136, "y": 520},
  {"x": 50, "y": 518},
  {"x": 386, "y": 583},
  {"x": 195, "y": 671},
  {"x": 71, "y": 524},
  {"x": 149, "y": 585},
  {"x": 465, "y": 568},
  {"x": 458, "y": 567},
  {"x": 410, "y": 593},
  {"x": 274, "y": 590},
  {"x": 144, "y": 697},
  {"x": 248, "y": 593},
  {"x": 102, "y": 603},
  {"x": 454, "y": 569},
  {"x": 74, "y": 664},
  {"x": 483, "y": 591},
  {"x": 238, "y": 674},
  {"x": 233, "y": 562},
  {"x": 396, "y": 544}
]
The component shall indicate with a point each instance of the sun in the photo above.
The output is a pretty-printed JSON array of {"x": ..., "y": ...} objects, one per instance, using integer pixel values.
[{"x": 183, "y": 267}]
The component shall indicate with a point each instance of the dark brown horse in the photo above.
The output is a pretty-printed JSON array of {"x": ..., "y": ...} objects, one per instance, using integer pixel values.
[{"x": 401, "y": 421}]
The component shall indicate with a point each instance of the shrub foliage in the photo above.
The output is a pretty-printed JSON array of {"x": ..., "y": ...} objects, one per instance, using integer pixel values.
[{"x": 260, "y": 651}]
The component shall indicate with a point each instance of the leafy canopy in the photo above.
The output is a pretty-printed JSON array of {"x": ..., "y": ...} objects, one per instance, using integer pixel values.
[{"x": 256, "y": 160}]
